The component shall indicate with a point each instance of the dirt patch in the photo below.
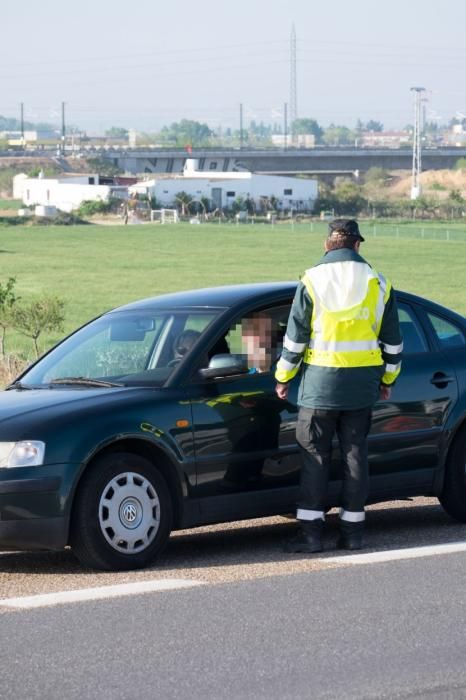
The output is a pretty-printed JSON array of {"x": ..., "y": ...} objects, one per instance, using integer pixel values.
[{"x": 434, "y": 182}]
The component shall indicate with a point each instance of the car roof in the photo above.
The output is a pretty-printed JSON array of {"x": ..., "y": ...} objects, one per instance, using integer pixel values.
[
  {"x": 236, "y": 295},
  {"x": 216, "y": 297},
  {"x": 430, "y": 305}
]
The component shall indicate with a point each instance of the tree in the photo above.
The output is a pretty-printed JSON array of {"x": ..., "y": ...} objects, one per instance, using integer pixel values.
[
  {"x": 307, "y": 126},
  {"x": 184, "y": 201},
  {"x": 349, "y": 199},
  {"x": 7, "y": 301},
  {"x": 345, "y": 199},
  {"x": 373, "y": 125},
  {"x": 117, "y": 132},
  {"x": 33, "y": 318},
  {"x": 187, "y": 132},
  {"x": 338, "y": 135},
  {"x": 359, "y": 126}
]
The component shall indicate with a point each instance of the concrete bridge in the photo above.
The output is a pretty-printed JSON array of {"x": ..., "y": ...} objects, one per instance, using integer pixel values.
[{"x": 316, "y": 161}]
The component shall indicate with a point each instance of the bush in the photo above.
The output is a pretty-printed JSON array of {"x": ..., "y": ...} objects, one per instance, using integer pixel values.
[
  {"x": 8, "y": 299},
  {"x": 376, "y": 176},
  {"x": 11, "y": 366},
  {"x": 91, "y": 207}
]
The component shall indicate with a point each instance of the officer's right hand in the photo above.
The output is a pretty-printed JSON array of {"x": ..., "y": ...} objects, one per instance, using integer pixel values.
[{"x": 282, "y": 391}]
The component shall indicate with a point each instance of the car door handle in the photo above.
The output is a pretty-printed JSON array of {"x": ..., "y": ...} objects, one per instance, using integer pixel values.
[{"x": 440, "y": 378}]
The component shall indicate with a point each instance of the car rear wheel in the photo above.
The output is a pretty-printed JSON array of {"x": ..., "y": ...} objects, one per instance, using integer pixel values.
[
  {"x": 122, "y": 514},
  {"x": 453, "y": 497}
]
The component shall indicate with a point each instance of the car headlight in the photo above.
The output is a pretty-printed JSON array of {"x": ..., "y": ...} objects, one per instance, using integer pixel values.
[{"x": 27, "y": 453}]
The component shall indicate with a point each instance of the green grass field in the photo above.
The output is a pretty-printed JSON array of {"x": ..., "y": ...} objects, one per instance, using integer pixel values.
[
  {"x": 10, "y": 204},
  {"x": 94, "y": 268}
]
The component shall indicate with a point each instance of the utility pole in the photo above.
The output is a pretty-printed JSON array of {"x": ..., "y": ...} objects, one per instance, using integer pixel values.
[
  {"x": 241, "y": 137},
  {"x": 63, "y": 128},
  {"x": 22, "y": 123},
  {"x": 293, "y": 80},
  {"x": 285, "y": 126},
  {"x": 417, "y": 154}
]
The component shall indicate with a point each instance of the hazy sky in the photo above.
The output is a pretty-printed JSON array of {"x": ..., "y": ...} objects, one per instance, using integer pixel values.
[{"x": 146, "y": 63}]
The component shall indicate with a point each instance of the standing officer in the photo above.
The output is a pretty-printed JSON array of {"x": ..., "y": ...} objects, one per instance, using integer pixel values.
[{"x": 343, "y": 326}]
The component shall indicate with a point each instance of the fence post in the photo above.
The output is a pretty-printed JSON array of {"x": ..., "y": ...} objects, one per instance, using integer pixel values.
[{"x": 448, "y": 235}]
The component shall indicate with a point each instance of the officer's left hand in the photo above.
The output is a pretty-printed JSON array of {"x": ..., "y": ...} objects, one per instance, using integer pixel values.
[{"x": 385, "y": 392}]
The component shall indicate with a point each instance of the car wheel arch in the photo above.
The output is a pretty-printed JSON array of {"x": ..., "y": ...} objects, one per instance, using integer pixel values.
[
  {"x": 154, "y": 454},
  {"x": 453, "y": 493}
]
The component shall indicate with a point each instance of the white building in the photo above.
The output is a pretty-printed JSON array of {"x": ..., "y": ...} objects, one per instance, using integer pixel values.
[
  {"x": 295, "y": 141},
  {"x": 223, "y": 188},
  {"x": 16, "y": 138},
  {"x": 64, "y": 193}
]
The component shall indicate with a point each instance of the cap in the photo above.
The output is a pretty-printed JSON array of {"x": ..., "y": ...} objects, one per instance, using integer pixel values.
[{"x": 344, "y": 227}]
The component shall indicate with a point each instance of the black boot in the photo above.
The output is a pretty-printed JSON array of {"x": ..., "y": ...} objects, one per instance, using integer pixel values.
[
  {"x": 308, "y": 539},
  {"x": 350, "y": 535}
]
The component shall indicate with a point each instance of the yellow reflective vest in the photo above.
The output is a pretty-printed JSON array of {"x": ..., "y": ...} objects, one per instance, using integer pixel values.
[
  {"x": 348, "y": 299},
  {"x": 345, "y": 335}
]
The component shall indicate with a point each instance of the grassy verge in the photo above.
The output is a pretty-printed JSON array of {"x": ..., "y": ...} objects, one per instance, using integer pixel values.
[{"x": 97, "y": 268}]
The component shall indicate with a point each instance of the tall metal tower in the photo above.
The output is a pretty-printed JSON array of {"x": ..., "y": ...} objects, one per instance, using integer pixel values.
[
  {"x": 417, "y": 165},
  {"x": 293, "y": 86}
]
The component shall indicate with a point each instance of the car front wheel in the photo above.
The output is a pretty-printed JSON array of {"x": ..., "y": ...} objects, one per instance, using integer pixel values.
[
  {"x": 453, "y": 497},
  {"x": 122, "y": 515}
]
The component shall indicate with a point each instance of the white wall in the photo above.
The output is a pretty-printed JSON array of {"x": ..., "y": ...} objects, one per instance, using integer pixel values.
[
  {"x": 65, "y": 195},
  {"x": 302, "y": 196}
]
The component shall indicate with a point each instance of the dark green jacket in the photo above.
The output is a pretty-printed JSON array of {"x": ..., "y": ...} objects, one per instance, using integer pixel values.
[{"x": 339, "y": 388}]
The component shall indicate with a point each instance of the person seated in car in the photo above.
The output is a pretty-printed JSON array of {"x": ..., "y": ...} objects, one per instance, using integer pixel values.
[
  {"x": 183, "y": 343},
  {"x": 259, "y": 340}
]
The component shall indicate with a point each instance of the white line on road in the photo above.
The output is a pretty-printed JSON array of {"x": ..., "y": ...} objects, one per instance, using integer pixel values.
[
  {"x": 102, "y": 592},
  {"x": 394, "y": 554}
]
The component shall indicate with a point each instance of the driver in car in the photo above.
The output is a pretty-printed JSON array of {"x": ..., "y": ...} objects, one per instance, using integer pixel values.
[{"x": 183, "y": 344}]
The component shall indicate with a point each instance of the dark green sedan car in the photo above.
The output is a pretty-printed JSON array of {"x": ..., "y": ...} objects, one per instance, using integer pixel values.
[{"x": 162, "y": 415}]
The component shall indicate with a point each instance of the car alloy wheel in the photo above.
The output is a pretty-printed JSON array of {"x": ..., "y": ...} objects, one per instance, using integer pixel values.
[{"x": 129, "y": 513}]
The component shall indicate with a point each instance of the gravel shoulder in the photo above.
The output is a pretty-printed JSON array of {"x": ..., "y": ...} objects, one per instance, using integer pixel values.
[{"x": 236, "y": 551}]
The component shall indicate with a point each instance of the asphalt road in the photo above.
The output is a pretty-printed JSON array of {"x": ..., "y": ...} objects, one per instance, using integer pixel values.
[{"x": 258, "y": 624}]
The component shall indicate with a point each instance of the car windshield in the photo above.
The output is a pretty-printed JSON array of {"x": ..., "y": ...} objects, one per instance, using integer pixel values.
[{"x": 122, "y": 348}]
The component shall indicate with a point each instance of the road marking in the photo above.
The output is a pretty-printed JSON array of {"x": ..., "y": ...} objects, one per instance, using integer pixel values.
[
  {"x": 394, "y": 554},
  {"x": 100, "y": 593}
]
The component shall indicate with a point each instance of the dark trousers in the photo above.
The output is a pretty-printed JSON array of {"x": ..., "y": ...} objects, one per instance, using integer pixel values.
[{"x": 314, "y": 432}]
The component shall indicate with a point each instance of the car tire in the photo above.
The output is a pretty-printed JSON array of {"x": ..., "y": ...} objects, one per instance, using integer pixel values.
[
  {"x": 122, "y": 514},
  {"x": 453, "y": 496}
]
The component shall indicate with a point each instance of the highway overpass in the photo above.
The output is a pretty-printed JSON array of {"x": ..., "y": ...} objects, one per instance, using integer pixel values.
[{"x": 316, "y": 161}]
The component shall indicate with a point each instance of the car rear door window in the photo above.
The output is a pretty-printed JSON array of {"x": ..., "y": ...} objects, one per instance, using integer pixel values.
[
  {"x": 448, "y": 334},
  {"x": 414, "y": 340}
]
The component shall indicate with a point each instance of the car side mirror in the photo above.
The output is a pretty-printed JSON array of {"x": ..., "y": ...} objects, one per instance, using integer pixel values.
[{"x": 224, "y": 366}]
